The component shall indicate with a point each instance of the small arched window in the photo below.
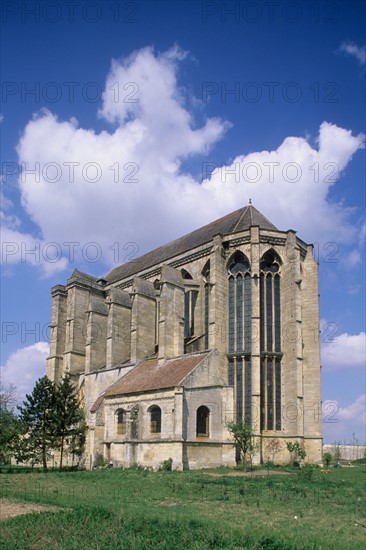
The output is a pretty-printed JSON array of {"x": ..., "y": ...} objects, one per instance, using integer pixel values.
[
  {"x": 185, "y": 274},
  {"x": 202, "y": 421},
  {"x": 121, "y": 421},
  {"x": 155, "y": 419}
]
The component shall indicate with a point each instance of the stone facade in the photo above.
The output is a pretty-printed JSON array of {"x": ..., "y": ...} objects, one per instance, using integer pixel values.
[{"x": 220, "y": 324}]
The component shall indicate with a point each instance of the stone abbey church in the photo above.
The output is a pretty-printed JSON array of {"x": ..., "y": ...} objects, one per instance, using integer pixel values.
[{"x": 217, "y": 325}]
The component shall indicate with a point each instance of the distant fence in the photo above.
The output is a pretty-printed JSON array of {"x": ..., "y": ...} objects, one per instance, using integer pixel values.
[{"x": 347, "y": 452}]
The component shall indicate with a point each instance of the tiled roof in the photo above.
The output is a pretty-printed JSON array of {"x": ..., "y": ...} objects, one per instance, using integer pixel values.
[
  {"x": 149, "y": 375},
  {"x": 97, "y": 403},
  {"x": 237, "y": 221}
]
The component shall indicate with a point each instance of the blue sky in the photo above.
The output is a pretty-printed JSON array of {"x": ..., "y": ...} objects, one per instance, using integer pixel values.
[{"x": 132, "y": 114}]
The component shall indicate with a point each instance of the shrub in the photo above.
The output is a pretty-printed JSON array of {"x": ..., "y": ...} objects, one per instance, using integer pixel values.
[
  {"x": 327, "y": 459},
  {"x": 308, "y": 470},
  {"x": 99, "y": 461},
  {"x": 167, "y": 465}
]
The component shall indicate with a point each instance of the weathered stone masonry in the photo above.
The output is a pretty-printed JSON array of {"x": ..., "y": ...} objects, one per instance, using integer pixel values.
[{"x": 219, "y": 324}]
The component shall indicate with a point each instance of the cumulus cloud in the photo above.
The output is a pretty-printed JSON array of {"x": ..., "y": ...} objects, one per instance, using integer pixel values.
[
  {"x": 124, "y": 188},
  {"x": 342, "y": 423},
  {"x": 24, "y": 367},
  {"x": 343, "y": 351},
  {"x": 18, "y": 247},
  {"x": 359, "y": 52}
]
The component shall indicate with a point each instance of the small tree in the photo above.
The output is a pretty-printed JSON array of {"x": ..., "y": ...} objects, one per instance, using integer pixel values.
[
  {"x": 296, "y": 451},
  {"x": 273, "y": 447},
  {"x": 243, "y": 437},
  {"x": 336, "y": 451},
  {"x": 8, "y": 396},
  {"x": 327, "y": 459},
  {"x": 37, "y": 415}
]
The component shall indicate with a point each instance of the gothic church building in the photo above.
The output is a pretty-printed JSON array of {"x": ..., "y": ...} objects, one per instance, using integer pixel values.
[{"x": 220, "y": 324}]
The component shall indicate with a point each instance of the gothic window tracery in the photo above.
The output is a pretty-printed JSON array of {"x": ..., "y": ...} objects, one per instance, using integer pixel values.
[
  {"x": 270, "y": 341},
  {"x": 240, "y": 326}
]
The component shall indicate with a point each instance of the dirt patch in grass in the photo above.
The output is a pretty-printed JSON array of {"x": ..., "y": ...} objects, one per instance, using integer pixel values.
[
  {"x": 9, "y": 509},
  {"x": 254, "y": 473}
]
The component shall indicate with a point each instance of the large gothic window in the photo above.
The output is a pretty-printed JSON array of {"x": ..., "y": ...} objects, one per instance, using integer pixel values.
[
  {"x": 240, "y": 313},
  {"x": 270, "y": 341},
  {"x": 239, "y": 304}
]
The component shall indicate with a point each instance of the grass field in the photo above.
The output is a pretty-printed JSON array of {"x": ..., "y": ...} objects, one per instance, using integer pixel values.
[{"x": 133, "y": 509}]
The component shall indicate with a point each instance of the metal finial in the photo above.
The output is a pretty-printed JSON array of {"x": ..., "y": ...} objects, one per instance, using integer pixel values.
[{"x": 250, "y": 201}]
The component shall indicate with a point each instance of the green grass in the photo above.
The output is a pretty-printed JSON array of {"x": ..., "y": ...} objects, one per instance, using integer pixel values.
[{"x": 118, "y": 509}]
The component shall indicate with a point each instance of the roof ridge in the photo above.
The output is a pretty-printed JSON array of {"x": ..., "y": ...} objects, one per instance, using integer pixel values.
[
  {"x": 243, "y": 212},
  {"x": 239, "y": 220}
]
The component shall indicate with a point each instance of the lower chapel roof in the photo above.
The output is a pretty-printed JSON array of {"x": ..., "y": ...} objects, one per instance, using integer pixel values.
[
  {"x": 237, "y": 221},
  {"x": 150, "y": 375}
]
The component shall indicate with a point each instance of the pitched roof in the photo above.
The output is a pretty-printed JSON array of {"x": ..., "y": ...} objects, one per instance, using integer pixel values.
[
  {"x": 149, "y": 375},
  {"x": 240, "y": 220}
]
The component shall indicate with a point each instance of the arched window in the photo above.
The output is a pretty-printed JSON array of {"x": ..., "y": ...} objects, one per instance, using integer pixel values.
[
  {"x": 240, "y": 334},
  {"x": 240, "y": 306},
  {"x": 270, "y": 341},
  {"x": 121, "y": 421},
  {"x": 203, "y": 422},
  {"x": 270, "y": 303},
  {"x": 155, "y": 419}
]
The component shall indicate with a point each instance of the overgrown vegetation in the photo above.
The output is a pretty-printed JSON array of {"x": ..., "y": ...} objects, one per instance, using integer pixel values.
[{"x": 140, "y": 509}]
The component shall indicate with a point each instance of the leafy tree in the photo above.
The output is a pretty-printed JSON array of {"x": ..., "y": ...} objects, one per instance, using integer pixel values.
[
  {"x": 296, "y": 451},
  {"x": 10, "y": 427},
  {"x": 38, "y": 417},
  {"x": 69, "y": 414},
  {"x": 243, "y": 437}
]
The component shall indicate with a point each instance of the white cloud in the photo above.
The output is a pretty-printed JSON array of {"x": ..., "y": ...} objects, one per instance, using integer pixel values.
[
  {"x": 25, "y": 366},
  {"x": 359, "y": 52},
  {"x": 18, "y": 247},
  {"x": 351, "y": 259},
  {"x": 346, "y": 351},
  {"x": 126, "y": 185},
  {"x": 342, "y": 423}
]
